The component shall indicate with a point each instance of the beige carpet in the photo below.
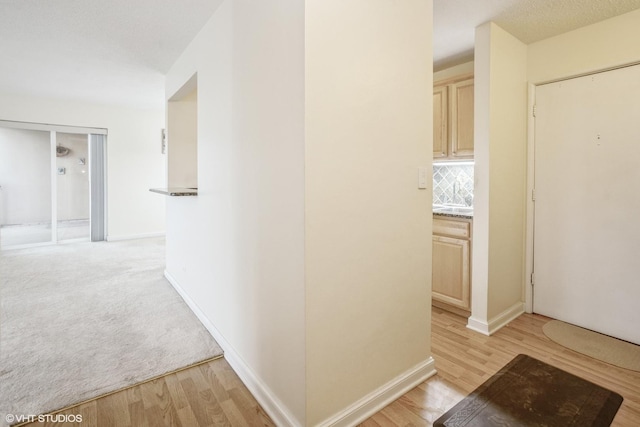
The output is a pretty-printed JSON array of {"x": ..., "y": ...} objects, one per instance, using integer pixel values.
[
  {"x": 81, "y": 320},
  {"x": 602, "y": 347}
]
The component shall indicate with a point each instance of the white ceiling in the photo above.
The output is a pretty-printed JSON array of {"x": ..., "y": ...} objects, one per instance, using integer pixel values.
[
  {"x": 454, "y": 21},
  {"x": 107, "y": 51},
  {"x": 118, "y": 51}
]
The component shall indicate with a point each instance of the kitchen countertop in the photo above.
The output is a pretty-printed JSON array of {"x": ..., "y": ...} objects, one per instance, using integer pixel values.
[
  {"x": 175, "y": 191},
  {"x": 453, "y": 211}
]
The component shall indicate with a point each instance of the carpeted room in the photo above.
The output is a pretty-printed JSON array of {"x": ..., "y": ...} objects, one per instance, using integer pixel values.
[
  {"x": 88, "y": 299},
  {"x": 85, "y": 319}
]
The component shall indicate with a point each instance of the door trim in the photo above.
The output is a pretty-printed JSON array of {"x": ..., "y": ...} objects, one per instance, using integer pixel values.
[
  {"x": 51, "y": 127},
  {"x": 530, "y": 207}
]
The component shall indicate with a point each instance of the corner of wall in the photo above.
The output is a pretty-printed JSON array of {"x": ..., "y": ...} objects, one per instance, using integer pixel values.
[
  {"x": 261, "y": 391},
  {"x": 376, "y": 400},
  {"x": 482, "y": 125},
  {"x": 496, "y": 323},
  {"x": 500, "y": 151}
]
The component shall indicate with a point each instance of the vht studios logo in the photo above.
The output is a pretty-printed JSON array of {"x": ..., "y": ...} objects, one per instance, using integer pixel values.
[{"x": 49, "y": 418}]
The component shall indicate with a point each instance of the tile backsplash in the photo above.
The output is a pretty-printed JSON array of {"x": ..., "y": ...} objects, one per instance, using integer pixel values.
[{"x": 453, "y": 184}]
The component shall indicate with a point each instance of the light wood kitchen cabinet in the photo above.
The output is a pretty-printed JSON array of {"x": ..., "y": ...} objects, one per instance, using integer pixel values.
[
  {"x": 440, "y": 121},
  {"x": 453, "y": 120},
  {"x": 451, "y": 272}
]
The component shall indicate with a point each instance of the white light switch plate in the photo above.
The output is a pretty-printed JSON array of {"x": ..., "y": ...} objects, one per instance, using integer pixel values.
[{"x": 422, "y": 178}]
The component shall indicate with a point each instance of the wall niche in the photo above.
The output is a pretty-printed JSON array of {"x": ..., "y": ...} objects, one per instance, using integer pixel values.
[{"x": 182, "y": 136}]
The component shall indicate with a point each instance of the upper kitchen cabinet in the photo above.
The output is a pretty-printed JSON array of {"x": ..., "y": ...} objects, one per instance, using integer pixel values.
[
  {"x": 440, "y": 121},
  {"x": 453, "y": 119}
]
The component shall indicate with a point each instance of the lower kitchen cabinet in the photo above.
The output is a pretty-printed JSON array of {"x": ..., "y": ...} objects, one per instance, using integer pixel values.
[{"x": 451, "y": 273}]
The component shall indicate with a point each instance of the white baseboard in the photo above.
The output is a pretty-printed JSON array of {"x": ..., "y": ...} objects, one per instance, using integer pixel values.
[
  {"x": 350, "y": 416},
  {"x": 378, "y": 399},
  {"x": 134, "y": 236},
  {"x": 493, "y": 325},
  {"x": 267, "y": 399},
  {"x": 478, "y": 325}
]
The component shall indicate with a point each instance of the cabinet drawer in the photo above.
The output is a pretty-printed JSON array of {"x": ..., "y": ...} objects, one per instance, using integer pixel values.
[{"x": 453, "y": 228}]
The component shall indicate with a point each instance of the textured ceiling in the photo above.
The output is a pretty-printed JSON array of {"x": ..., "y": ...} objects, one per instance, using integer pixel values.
[
  {"x": 528, "y": 20},
  {"x": 118, "y": 51},
  {"x": 108, "y": 51}
]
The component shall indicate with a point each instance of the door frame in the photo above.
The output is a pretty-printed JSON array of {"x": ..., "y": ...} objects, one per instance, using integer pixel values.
[
  {"x": 529, "y": 278},
  {"x": 530, "y": 207}
]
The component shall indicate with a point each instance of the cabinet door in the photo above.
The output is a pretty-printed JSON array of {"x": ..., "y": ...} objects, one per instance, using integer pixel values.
[
  {"x": 450, "y": 273},
  {"x": 440, "y": 121},
  {"x": 462, "y": 119}
]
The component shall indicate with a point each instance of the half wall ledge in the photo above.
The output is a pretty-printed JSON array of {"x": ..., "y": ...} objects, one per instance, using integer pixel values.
[{"x": 175, "y": 191}]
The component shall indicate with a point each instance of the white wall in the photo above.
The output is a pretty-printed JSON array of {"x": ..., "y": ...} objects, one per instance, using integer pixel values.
[
  {"x": 368, "y": 226},
  {"x": 182, "y": 141},
  {"x": 25, "y": 176},
  {"x": 237, "y": 249},
  {"x": 500, "y": 175},
  {"x": 134, "y": 160},
  {"x": 610, "y": 43},
  {"x": 307, "y": 250},
  {"x": 73, "y": 185}
]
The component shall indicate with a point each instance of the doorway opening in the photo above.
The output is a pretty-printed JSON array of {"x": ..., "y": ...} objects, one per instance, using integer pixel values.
[{"x": 52, "y": 184}]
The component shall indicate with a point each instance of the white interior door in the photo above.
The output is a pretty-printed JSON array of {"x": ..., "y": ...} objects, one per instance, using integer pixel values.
[{"x": 587, "y": 208}]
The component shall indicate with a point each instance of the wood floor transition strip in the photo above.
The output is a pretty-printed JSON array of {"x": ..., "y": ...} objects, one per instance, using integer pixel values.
[{"x": 66, "y": 408}]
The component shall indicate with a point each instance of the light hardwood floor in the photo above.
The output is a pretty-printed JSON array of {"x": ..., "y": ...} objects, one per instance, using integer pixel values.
[
  {"x": 211, "y": 394},
  {"x": 465, "y": 359}
]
